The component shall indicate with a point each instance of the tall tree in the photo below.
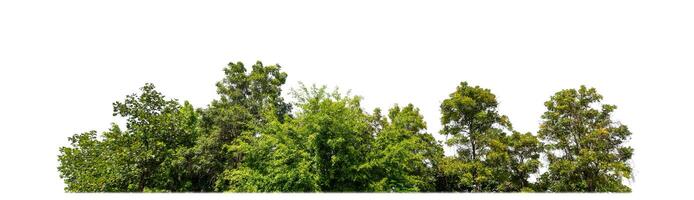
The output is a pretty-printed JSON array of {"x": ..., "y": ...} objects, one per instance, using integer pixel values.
[
  {"x": 141, "y": 158},
  {"x": 491, "y": 156},
  {"x": 244, "y": 97},
  {"x": 403, "y": 156},
  {"x": 470, "y": 117},
  {"x": 585, "y": 147}
]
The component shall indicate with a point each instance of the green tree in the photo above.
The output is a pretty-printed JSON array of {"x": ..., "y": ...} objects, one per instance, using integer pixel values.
[
  {"x": 244, "y": 98},
  {"x": 277, "y": 160},
  {"x": 142, "y": 158},
  {"x": 321, "y": 149},
  {"x": 338, "y": 137},
  {"x": 488, "y": 159},
  {"x": 403, "y": 155},
  {"x": 470, "y": 117},
  {"x": 585, "y": 147},
  {"x": 92, "y": 165}
]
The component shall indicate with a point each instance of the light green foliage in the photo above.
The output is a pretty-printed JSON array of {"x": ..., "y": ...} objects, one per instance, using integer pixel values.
[
  {"x": 274, "y": 161},
  {"x": 338, "y": 137},
  {"x": 585, "y": 148},
  {"x": 404, "y": 156},
  {"x": 319, "y": 150},
  {"x": 141, "y": 158}
]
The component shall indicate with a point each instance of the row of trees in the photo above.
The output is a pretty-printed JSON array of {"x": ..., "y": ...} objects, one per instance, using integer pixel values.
[{"x": 251, "y": 140}]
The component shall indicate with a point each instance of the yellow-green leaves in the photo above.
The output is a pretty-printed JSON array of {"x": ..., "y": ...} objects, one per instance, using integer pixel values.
[{"x": 586, "y": 146}]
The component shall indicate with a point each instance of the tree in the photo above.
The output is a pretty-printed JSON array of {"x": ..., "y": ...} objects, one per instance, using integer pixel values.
[
  {"x": 141, "y": 158},
  {"x": 92, "y": 165},
  {"x": 585, "y": 147},
  {"x": 240, "y": 109},
  {"x": 470, "y": 116},
  {"x": 404, "y": 157},
  {"x": 488, "y": 158},
  {"x": 321, "y": 149},
  {"x": 277, "y": 160},
  {"x": 338, "y": 137}
]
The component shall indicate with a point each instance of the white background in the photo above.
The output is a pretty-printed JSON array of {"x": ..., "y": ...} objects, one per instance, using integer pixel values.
[{"x": 62, "y": 64}]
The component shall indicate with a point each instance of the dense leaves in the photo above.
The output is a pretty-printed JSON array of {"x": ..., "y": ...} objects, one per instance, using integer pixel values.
[
  {"x": 251, "y": 140},
  {"x": 144, "y": 157},
  {"x": 319, "y": 150},
  {"x": 585, "y": 147},
  {"x": 488, "y": 158},
  {"x": 404, "y": 157},
  {"x": 244, "y": 98}
]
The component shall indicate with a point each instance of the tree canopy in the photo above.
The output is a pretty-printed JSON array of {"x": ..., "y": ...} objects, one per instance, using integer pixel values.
[
  {"x": 144, "y": 157},
  {"x": 250, "y": 140},
  {"x": 585, "y": 147},
  {"x": 490, "y": 156}
]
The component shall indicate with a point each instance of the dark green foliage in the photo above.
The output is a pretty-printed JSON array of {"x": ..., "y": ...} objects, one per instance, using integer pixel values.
[
  {"x": 251, "y": 140},
  {"x": 244, "y": 97},
  {"x": 585, "y": 148}
]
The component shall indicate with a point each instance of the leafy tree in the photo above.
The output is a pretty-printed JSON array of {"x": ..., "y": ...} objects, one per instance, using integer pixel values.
[
  {"x": 277, "y": 160},
  {"x": 244, "y": 97},
  {"x": 585, "y": 147},
  {"x": 319, "y": 150},
  {"x": 142, "y": 158},
  {"x": 338, "y": 137},
  {"x": 470, "y": 116},
  {"x": 404, "y": 156},
  {"x": 488, "y": 159},
  {"x": 91, "y": 165}
]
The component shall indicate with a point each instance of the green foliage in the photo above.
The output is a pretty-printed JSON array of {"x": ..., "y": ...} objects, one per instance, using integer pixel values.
[
  {"x": 274, "y": 161},
  {"x": 141, "y": 158},
  {"x": 513, "y": 159},
  {"x": 585, "y": 148},
  {"x": 319, "y": 150},
  {"x": 487, "y": 158},
  {"x": 469, "y": 116},
  {"x": 231, "y": 119},
  {"x": 404, "y": 156},
  {"x": 250, "y": 140},
  {"x": 338, "y": 137}
]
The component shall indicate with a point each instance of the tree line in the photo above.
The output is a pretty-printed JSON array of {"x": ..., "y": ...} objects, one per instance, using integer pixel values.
[{"x": 250, "y": 139}]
